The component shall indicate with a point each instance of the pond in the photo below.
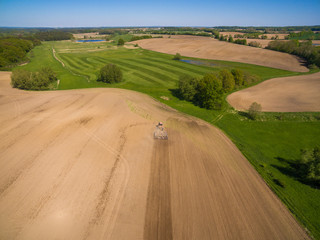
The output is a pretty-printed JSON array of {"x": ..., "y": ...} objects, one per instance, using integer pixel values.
[
  {"x": 316, "y": 44},
  {"x": 199, "y": 62},
  {"x": 91, "y": 40}
]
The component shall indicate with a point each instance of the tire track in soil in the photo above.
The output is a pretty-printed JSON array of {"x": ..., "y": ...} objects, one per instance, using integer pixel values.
[{"x": 158, "y": 218}]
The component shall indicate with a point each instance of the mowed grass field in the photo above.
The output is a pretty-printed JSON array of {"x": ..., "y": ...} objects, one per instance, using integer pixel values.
[{"x": 269, "y": 145}]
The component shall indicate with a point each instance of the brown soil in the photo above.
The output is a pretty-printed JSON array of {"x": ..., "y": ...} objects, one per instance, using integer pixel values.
[
  {"x": 269, "y": 36},
  {"x": 289, "y": 94},
  {"x": 83, "y": 164},
  {"x": 204, "y": 47}
]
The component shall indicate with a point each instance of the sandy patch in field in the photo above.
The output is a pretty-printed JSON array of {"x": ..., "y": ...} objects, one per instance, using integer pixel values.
[
  {"x": 289, "y": 94},
  {"x": 130, "y": 46},
  {"x": 205, "y": 47},
  {"x": 83, "y": 164}
]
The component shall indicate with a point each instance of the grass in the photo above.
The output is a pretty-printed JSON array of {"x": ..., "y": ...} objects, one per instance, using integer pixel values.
[
  {"x": 269, "y": 143},
  {"x": 271, "y": 146}
]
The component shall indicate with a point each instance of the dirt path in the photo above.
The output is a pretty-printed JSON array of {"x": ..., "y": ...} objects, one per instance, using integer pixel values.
[
  {"x": 54, "y": 55},
  {"x": 83, "y": 164},
  {"x": 204, "y": 47},
  {"x": 288, "y": 94}
]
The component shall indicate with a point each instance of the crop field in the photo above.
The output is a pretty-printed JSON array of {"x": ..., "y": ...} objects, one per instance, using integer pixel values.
[
  {"x": 269, "y": 144},
  {"x": 84, "y": 165},
  {"x": 289, "y": 94}
]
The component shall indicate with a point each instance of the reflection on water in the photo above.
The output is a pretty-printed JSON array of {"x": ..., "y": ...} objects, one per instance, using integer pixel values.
[
  {"x": 91, "y": 40},
  {"x": 199, "y": 62}
]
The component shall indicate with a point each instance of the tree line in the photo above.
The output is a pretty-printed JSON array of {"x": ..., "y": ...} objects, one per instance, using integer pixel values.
[
  {"x": 208, "y": 91},
  {"x": 53, "y": 35},
  {"x": 14, "y": 50},
  {"x": 302, "y": 49}
]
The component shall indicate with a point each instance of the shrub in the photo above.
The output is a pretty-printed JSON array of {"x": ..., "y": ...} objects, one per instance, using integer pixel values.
[
  {"x": 110, "y": 73},
  {"x": 227, "y": 80},
  {"x": 254, "y": 110},
  {"x": 188, "y": 87},
  {"x": 41, "y": 80},
  {"x": 238, "y": 76},
  {"x": 20, "y": 79},
  {"x": 120, "y": 42},
  {"x": 177, "y": 56},
  {"x": 254, "y": 44}
]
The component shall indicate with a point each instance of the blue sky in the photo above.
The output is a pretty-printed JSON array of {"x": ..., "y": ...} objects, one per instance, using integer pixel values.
[{"x": 96, "y": 13}]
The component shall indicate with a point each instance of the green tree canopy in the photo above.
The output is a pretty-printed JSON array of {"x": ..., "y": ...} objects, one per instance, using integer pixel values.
[
  {"x": 110, "y": 73},
  {"x": 188, "y": 87},
  {"x": 238, "y": 76},
  {"x": 227, "y": 79},
  {"x": 209, "y": 92}
]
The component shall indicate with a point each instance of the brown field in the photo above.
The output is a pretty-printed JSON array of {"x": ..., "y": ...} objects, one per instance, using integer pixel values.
[
  {"x": 88, "y": 35},
  {"x": 289, "y": 94},
  {"x": 269, "y": 35},
  {"x": 83, "y": 164},
  {"x": 204, "y": 47}
]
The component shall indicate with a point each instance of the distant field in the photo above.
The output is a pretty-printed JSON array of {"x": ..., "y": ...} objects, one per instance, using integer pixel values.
[
  {"x": 156, "y": 74},
  {"x": 289, "y": 94},
  {"x": 204, "y": 47}
]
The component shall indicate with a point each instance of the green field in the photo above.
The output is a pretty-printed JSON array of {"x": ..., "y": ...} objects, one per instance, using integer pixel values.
[{"x": 269, "y": 145}]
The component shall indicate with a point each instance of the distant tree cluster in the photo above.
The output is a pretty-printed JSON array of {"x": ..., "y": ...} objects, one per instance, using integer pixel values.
[
  {"x": 41, "y": 80},
  {"x": 302, "y": 49},
  {"x": 53, "y": 35},
  {"x": 208, "y": 91},
  {"x": 241, "y": 41},
  {"x": 120, "y": 42},
  {"x": 177, "y": 56},
  {"x": 110, "y": 73},
  {"x": 14, "y": 50}
]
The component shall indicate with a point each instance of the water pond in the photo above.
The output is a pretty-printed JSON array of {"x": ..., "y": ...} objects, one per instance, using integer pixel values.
[
  {"x": 91, "y": 40},
  {"x": 199, "y": 62}
]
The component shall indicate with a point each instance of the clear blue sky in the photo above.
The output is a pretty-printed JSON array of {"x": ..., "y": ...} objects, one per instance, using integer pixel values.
[{"x": 96, "y": 13}]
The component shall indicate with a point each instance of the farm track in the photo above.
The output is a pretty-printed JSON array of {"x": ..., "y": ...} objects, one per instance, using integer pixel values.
[{"x": 82, "y": 164}]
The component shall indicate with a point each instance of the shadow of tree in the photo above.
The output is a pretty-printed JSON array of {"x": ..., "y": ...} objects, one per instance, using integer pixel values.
[
  {"x": 296, "y": 170},
  {"x": 244, "y": 114},
  {"x": 176, "y": 92}
]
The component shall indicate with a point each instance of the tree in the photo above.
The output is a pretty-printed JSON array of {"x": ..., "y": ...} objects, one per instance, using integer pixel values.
[
  {"x": 209, "y": 92},
  {"x": 120, "y": 42},
  {"x": 188, "y": 87},
  {"x": 110, "y": 73},
  {"x": 230, "y": 39},
  {"x": 227, "y": 80},
  {"x": 238, "y": 76},
  {"x": 254, "y": 110},
  {"x": 308, "y": 166},
  {"x": 177, "y": 56}
]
